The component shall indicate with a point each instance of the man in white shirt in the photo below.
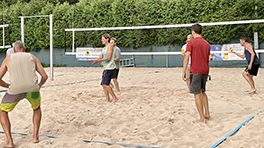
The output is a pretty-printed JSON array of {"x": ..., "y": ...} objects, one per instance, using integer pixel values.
[
  {"x": 10, "y": 51},
  {"x": 183, "y": 50},
  {"x": 117, "y": 52}
]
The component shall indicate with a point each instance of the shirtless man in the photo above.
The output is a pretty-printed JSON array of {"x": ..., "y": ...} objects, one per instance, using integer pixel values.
[{"x": 183, "y": 50}]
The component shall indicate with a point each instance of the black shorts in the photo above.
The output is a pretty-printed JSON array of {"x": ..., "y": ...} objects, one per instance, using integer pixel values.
[
  {"x": 254, "y": 70},
  {"x": 116, "y": 72},
  {"x": 107, "y": 76},
  {"x": 197, "y": 83}
]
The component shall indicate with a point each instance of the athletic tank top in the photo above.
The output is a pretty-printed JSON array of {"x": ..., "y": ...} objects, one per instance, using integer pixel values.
[
  {"x": 248, "y": 57},
  {"x": 110, "y": 64},
  {"x": 22, "y": 74}
]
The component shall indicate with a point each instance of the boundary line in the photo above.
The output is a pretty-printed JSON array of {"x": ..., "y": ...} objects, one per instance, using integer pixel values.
[
  {"x": 65, "y": 83},
  {"x": 123, "y": 144},
  {"x": 30, "y": 134},
  {"x": 236, "y": 129},
  {"x": 90, "y": 141}
]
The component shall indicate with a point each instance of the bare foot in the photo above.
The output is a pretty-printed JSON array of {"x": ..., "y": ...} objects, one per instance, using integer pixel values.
[
  {"x": 253, "y": 91},
  {"x": 199, "y": 121},
  {"x": 207, "y": 117},
  {"x": 107, "y": 100},
  {"x": 114, "y": 100},
  {"x": 9, "y": 145},
  {"x": 36, "y": 139}
]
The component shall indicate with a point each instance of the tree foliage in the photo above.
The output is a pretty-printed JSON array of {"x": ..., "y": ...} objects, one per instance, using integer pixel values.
[
  {"x": 120, "y": 13},
  {"x": 12, "y": 2}
]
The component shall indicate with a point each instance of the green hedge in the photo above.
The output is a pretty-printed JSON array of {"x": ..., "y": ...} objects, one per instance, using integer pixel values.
[{"x": 117, "y": 13}]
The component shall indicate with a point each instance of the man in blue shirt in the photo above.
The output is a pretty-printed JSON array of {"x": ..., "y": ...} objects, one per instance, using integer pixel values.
[{"x": 253, "y": 63}]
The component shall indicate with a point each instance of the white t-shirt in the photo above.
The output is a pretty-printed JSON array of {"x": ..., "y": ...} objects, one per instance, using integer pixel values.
[
  {"x": 117, "y": 55},
  {"x": 183, "y": 49},
  {"x": 10, "y": 51}
]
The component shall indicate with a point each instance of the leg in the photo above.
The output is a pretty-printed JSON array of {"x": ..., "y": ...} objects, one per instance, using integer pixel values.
[
  {"x": 188, "y": 85},
  {"x": 116, "y": 84},
  {"x": 188, "y": 78},
  {"x": 106, "y": 94},
  {"x": 205, "y": 104},
  {"x": 106, "y": 79},
  {"x": 5, "y": 123},
  {"x": 199, "y": 106},
  {"x": 36, "y": 123},
  {"x": 110, "y": 90},
  {"x": 111, "y": 85},
  {"x": 249, "y": 79},
  {"x": 254, "y": 90}
]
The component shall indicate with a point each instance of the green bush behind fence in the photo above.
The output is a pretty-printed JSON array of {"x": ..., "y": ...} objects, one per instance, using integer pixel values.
[{"x": 118, "y": 13}]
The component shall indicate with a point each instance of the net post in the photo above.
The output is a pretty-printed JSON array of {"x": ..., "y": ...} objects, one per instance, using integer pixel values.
[
  {"x": 72, "y": 41},
  {"x": 256, "y": 40},
  {"x": 51, "y": 46},
  {"x": 4, "y": 37},
  {"x": 65, "y": 40},
  {"x": 167, "y": 60},
  {"x": 3, "y": 27},
  {"x": 22, "y": 30}
]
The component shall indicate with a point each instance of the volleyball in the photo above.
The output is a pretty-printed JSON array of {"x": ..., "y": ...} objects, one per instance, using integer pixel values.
[
  {"x": 86, "y": 53},
  {"x": 182, "y": 50},
  {"x": 231, "y": 49}
]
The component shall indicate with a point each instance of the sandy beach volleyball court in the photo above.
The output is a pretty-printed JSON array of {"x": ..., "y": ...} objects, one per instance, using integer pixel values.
[{"x": 154, "y": 109}]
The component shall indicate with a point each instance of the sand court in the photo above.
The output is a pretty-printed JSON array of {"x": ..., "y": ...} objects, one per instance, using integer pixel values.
[{"x": 154, "y": 109}]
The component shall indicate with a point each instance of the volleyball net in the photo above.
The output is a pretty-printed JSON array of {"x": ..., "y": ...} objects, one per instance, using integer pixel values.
[
  {"x": 73, "y": 30},
  {"x": 221, "y": 51}
]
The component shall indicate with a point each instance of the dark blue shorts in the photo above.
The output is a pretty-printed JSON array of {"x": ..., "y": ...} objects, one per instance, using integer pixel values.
[
  {"x": 107, "y": 76},
  {"x": 116, "y": 72},
  {"x": 254, "y": 70},
  {"x": 197, "y": 83}
]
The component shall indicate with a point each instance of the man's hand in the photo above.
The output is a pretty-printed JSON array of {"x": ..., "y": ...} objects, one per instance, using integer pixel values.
[
  {"x": 249, "y": 67},
  {"x": 89, "y": 60},
  {"x": 182, "y": 54},
  {"x": 95, "y": 61},
  {"x": 184, "y": 76}
]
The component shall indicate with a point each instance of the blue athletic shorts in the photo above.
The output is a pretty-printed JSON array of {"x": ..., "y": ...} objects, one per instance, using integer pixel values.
[
  {"x": 116, "y": 72},
  {"x": 107, "y": 76}
]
